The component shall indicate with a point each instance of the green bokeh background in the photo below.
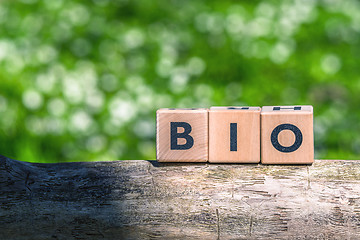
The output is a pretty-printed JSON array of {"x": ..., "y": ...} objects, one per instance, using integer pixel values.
[{"x": 81, "y": 80}]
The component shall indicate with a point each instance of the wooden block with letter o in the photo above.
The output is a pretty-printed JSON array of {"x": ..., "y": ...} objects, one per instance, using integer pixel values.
[
  {"x": 182, "y": 135},
  {"x": 287, "y": 135},
  {"x": 234, "y": 134}
]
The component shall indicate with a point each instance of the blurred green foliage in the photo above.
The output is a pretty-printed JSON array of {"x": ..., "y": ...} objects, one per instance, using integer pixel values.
[{"x": 81, "y": 80}]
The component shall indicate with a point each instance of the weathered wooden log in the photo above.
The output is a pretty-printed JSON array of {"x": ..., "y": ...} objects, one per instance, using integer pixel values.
[{"x": 147, "y": 200}]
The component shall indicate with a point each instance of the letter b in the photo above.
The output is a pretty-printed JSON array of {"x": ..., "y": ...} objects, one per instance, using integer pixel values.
[{"x": 175, "y": 135}]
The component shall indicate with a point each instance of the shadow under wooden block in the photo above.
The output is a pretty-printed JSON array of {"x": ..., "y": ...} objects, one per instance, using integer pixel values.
[
  {"x": 287, "y": 135},
  {"x": 234, "y": 134},
  {"x": 182, "y": 135}
]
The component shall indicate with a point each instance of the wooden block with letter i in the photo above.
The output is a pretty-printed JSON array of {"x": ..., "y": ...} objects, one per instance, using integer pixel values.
[
  {"x": 234, "y": 134},
  {"x": 182, "y": 135},
  {"x": 287, "y": 135}
]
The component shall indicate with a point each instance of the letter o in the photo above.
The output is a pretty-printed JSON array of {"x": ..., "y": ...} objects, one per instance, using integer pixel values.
[{"x": 275, "y": 135}]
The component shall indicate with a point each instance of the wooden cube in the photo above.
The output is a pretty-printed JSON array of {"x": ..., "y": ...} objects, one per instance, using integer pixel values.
[
  {"x": 287, "y": 135},
  {"x": 182, "y": 135},
  {"x": 234, "y": 134}
]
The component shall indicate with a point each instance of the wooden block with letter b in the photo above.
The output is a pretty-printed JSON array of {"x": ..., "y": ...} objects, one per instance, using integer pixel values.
[
  {"x": 234, "y": 134},
  {"x": 182, "y": 135},
  {"x": 287, "y": 135}
]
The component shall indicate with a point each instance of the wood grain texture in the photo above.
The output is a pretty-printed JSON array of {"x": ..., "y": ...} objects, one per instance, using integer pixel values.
[
  {"x": 247, "y": 137},
  {"x": 151, "y": 200},
  {"x": 197, "y": 119},
  {"x": 302, "y": 119}
]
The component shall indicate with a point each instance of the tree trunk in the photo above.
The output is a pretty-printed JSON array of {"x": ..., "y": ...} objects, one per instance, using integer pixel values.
[{"x": 147, "y": 200}]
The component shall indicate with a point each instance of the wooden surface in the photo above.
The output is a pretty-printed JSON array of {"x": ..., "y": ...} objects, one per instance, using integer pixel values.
[
  {"x": 198, "y": 120},
  {"x": 150, "y": 200},
  {"x": 302, "y": 119},
  {"x": 247, "y": 134}
]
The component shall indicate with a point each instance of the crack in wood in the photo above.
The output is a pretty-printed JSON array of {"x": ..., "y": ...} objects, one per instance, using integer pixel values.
[
  {"x": 308, "y": 178},
  {"x": 218, "y": 223},
  {"x": 251, "y": 225},
  {"x": 152, "y": 180}
]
